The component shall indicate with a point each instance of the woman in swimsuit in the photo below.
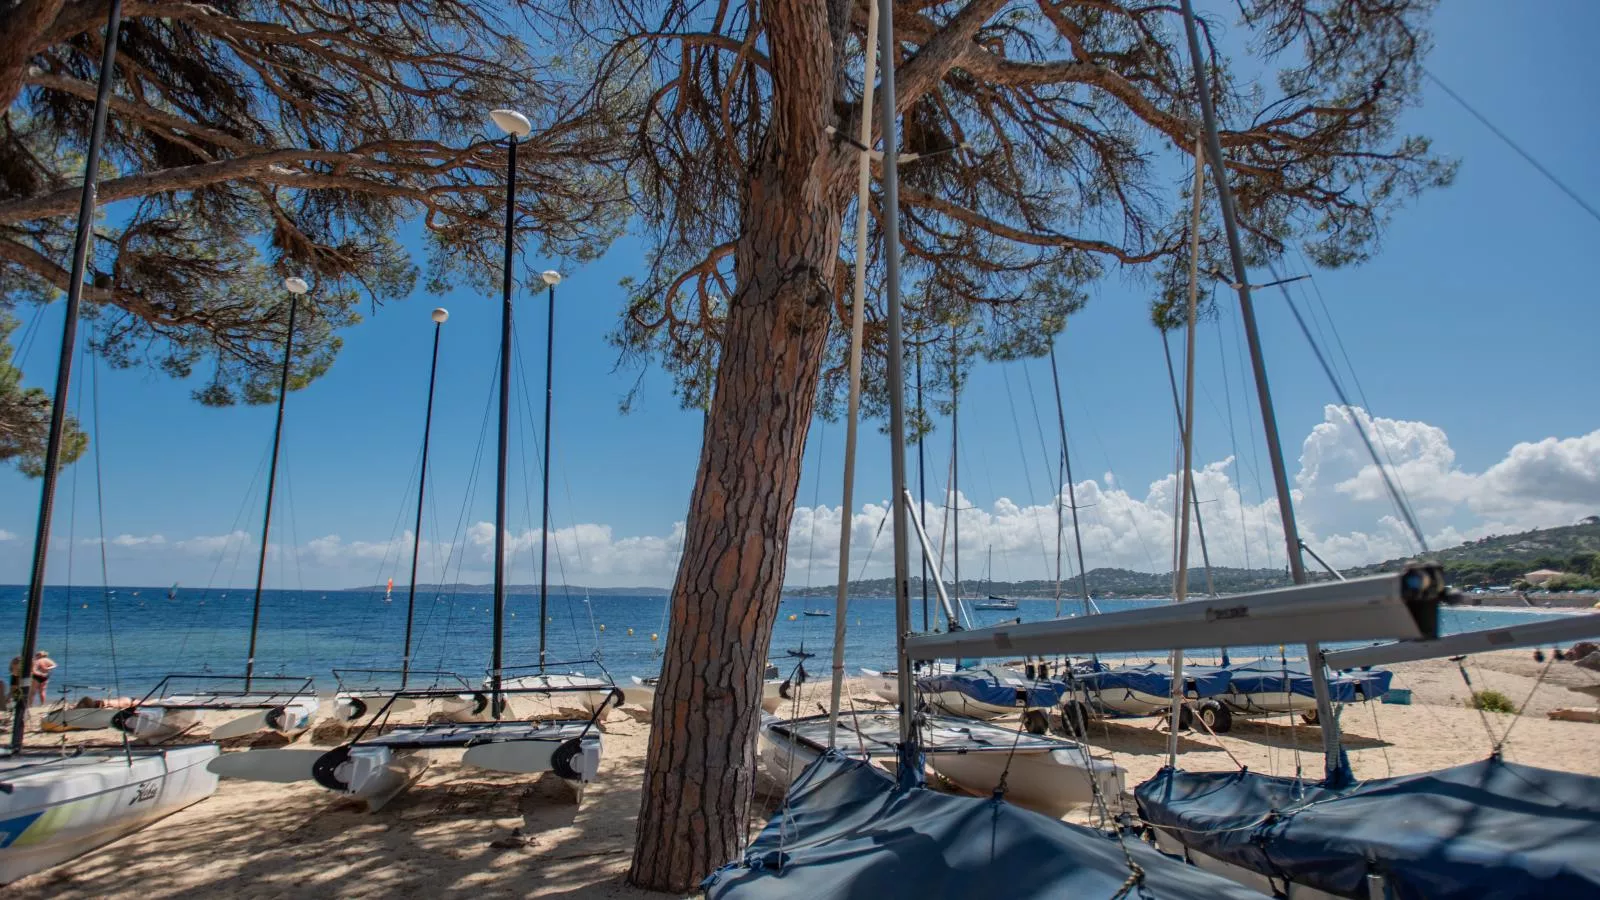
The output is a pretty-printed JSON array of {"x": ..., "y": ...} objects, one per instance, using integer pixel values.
[{"x": 43, "y": 665}]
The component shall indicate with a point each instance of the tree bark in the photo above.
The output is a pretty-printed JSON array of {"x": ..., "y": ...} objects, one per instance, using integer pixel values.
[
  {"x": 21, "y": 25},
  {"x": 699, "y": 774}
]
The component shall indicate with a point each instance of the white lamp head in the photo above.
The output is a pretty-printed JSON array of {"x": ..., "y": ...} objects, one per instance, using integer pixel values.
[
  {"x": 512, "y": 122},
  {"x": 440, "y": 315},
  {"x": 551, "y": 277},
  {"x": 296, "y": 285}
]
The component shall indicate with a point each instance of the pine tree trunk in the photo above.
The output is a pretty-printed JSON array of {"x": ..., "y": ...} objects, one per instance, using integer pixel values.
[{"x": 699, "y": 774}]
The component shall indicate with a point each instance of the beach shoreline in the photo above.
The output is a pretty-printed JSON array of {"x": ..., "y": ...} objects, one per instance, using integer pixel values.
[{"x": 464, "y": 832}]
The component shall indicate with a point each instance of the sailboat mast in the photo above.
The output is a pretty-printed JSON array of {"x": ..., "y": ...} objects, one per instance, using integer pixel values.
[
  {"x": 551, "y": 279},
  {"x": 841, "y": 606},
  {"x": 955, "y": 478},
  {"x": 1269, "y": 420},
  {"x": 296, "y": 287},
  {"x": 58, "y": 406},
  {"x": 1072, "y": 491},
  {"x": 496, "y": 657},
  {"x": 439, "y": 317},
  {"x": 892, "y": 368},
  {"x": 922, "y": 485}
]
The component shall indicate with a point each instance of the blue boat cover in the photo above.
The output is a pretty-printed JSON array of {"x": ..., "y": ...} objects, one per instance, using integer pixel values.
[
  {"x": 1152, "y": 678},
  {"x": 1271, "y": 676},
  {"x": 994, "y": 685},
  {"x": 846, "y": 831},
  {"x": 1486, "y": 829}
]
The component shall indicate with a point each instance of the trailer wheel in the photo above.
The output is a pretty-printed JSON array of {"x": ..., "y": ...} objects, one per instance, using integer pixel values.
[
  {"x": 1036, "y": 721},
  {"x": 1215, "y": 716},
  {"x": 1185, "y": 717},
  {"x": 1309, "y": 717},
  {"x": 1075, "y": 719}
]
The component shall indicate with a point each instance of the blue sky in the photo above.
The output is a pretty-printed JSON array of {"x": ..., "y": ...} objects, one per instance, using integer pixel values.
[{"x": 1472, "y": 332}]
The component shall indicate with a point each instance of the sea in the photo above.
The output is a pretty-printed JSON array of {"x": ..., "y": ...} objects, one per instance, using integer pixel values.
[{"x": 122, "y": 641}]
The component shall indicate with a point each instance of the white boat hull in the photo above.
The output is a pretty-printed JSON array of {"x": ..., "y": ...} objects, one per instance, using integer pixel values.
[
  {"x": 56, "y": 812},
  {"x": 574, "y": 691},
  {"x": 642, "y": 694},
  {"x": 958, "y": 704},
  {"x": 156, "y": 722},
  {"x": 92, "y": 718},
  {"x": 351, "y": 706},
  {"x": 1268, "y": 702},
  {"x": 1052, "y": 782}
]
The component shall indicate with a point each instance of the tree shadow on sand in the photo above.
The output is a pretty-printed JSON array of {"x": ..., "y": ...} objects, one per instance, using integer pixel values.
[{"x": 456, "y": 833}]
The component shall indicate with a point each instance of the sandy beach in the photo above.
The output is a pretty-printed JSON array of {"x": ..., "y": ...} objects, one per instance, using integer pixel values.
[{"x": 466, "y": 833}]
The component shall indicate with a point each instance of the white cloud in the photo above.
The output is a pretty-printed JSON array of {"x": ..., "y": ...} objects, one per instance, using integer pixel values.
[
  {"x": 214, "y": 544},
  {"x": 6, "y": 535},
  {"x": 1340, "y": 501}
]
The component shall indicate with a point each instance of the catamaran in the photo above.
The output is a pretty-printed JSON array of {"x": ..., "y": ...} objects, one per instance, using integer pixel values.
[
  {"x": 378, "y": 763},
  {"x": 287, "y": 704},
  {"x": 57, "y": 805}
]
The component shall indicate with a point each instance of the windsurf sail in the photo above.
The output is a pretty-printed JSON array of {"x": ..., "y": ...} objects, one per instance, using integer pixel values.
[{"x": 388, "y": 592}]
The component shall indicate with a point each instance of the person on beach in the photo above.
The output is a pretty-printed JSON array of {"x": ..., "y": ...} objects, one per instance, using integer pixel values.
[
  {"x": 16, "y": 672},
  {"x": 43, "y": 665}
]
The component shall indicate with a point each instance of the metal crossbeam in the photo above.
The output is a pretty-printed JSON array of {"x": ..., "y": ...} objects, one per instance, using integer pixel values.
[
  {"x": 1530, "y": 634},
  {"x": 1397, "y": 606}
]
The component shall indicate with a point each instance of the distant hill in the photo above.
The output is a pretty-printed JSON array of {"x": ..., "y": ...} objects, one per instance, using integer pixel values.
[
  {"x": 1495, "y": 560},
  {"x": 1503, "y": 558},
  {"x": 1104, "y": 582},
  {"x": 517, "y": 589}
]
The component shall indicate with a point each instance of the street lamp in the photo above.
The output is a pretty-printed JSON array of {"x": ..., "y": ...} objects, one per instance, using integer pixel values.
[
  {"x": 515, "y": 125},
  {"x": 551, "y": 278}
]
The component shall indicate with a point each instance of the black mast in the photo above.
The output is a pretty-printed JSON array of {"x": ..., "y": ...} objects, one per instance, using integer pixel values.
[
  {"x": 58, "y": 410},
  {"x": 551, "y": 278},
  {"x": 515, "y": 125},
  {"x": 296, "y": 287},
  {"x": 439, "y": 317}
]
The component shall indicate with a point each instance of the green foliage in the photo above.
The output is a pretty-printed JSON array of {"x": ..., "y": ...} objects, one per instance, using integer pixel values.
[
  {"x": 254, "y": 142},
  {"x": 1492, "y": 701},
  {"x": 1504, "y": 559},
  {"x": 25, "y": 416}
]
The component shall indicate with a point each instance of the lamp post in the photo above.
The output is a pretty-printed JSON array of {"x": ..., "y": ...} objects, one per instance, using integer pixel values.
[
  {"x": 440, "y": 316},
  {"x": 296, "y": 288},
  {"x": 551, "y": 278},
  {"x": 515, "y": 125}
]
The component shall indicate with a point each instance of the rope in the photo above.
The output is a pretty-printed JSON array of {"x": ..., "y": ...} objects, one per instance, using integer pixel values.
[
  {"x": 1461, "y": 666},
  {"x": 1506, "y": 738},
  {"x": 100, "y": 507},
  {"x": 1549, "y": 175},
  {"x": 1395, "y": 495},
  {"x": 1022, "y": 450}
]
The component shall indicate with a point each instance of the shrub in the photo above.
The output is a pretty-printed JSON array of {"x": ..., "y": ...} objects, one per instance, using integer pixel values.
[{"x": 1492, "y": 701}]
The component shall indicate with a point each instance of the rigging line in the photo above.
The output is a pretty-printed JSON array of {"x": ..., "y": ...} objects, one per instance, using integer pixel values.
[
  {"x": 1022, "y": 450},
  {"x": 566, "y": 589},
  {"x": 100, "y": 506},
  {"x": 1252, "y": 427},
  {"x": 72, "y": 532},
  {"x": 1355, "y": 378},
  {"x": 1529, "y": 157},
  {"x": 1344, "y": 399},
  {"x": 457, "y": 537},
  {"x": 1045, "y": 455},
  {"x": 1194, "y": 499},
  {"x": 816, "y": 499},
  {"x": 1066, "y": 477}
]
